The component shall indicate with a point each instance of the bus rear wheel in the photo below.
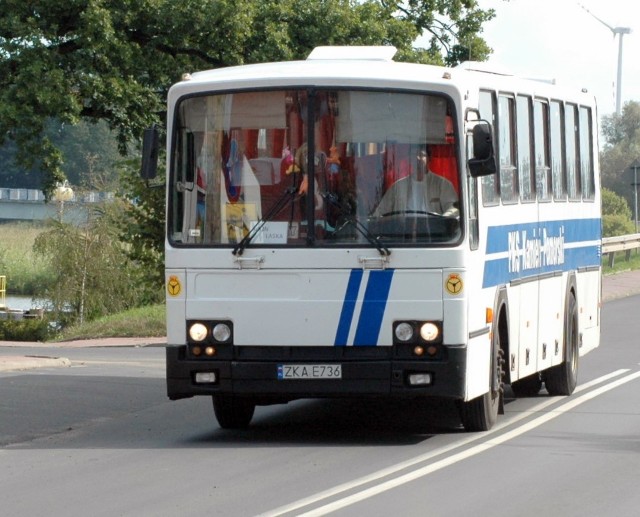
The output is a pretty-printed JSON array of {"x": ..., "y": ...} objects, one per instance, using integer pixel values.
[
  {"x": 562, "y": 379},
  {"x": 233, "y": 412}
]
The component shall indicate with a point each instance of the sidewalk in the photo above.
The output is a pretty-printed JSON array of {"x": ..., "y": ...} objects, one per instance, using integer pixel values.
[
  {"x": 28, "y": 362},
  {"x": 614, "y": 287}
]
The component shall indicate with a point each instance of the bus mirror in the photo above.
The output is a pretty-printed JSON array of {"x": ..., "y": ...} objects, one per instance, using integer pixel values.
[
  {"x": 483, "y": 162},
  {"x": 149, "y": 167}
]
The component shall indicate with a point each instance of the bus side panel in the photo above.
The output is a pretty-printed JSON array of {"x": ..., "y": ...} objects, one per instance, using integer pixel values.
[
  {"x": 550, "y": 320},
  {"x": 589, "y": 293},
  {"x": 478, "y": 366},
  {"x": 527, "y": 339}
]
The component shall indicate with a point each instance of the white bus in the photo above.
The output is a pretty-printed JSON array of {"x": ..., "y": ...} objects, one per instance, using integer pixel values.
[{"x": 443, "y": 240}]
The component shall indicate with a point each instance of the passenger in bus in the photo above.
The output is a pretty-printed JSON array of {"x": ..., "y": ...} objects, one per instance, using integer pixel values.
[
  {"x": 422, "y": 191},
  {"x": 301, "y": 163}
]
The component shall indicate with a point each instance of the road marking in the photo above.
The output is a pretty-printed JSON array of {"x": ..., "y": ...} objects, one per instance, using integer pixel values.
[{"x": 445, "y": 462}]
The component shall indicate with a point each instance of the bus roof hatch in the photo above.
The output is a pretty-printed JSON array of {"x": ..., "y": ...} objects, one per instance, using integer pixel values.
[{"x": 370, "y": 53}]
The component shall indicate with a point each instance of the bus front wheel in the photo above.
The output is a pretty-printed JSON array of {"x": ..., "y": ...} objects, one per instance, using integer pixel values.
[
  {"x": 233, "y": 412},
  {"x": 481, "y": 413}
]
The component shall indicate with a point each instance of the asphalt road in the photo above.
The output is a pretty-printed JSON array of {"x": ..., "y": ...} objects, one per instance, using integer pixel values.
[{"x": 99, "y": 438}]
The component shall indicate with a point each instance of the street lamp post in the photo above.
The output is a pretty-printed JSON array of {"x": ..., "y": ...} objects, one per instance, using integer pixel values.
[
  {"x": 63, "y": 192},
  {"x": 635, "y": 166}
]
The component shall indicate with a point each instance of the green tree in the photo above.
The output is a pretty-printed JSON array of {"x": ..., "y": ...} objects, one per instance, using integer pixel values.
[
  {"x": 622, "y": 148},
  {"x": 113, "y": 60},
  {"x": 92, "y": 276},
  {"x": 89, "y": 150},
  {"x": 616, "y": 215},
  {"x": 141, "y": 225}
]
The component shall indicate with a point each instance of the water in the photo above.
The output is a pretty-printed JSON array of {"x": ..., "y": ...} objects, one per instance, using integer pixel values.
[{"x": 20, "y": 303}]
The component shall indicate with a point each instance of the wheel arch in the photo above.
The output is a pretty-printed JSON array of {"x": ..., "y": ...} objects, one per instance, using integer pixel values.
[{"x": 501, "y": 326}]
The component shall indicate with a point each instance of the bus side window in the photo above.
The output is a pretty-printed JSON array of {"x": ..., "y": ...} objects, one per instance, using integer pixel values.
[
  {"x": 490, "y": 185},
  {"x": 586, "y": 162},
  {"x": 506, "y": 150},
  {"x": 556, "y": 136},
  {"x": 572, "y": 157},
  {"x": 525, "y": 163},
  {"x": 541, "y": 149}
]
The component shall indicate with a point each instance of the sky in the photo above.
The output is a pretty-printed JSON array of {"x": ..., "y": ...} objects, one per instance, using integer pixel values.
[{"x": 558, "y": 39}]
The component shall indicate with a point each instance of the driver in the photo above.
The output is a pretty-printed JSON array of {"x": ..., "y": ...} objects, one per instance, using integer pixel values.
[{"x": 422, "y": 191}]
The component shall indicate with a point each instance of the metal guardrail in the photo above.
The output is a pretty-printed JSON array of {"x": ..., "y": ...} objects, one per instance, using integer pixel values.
[
  {"x": 37, "y": 196},
  {"x": 626, "y": 243}
]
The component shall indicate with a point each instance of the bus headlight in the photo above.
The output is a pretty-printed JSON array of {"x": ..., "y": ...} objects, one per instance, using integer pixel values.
[
  {"x": 419, "y": 333},
  {"x": 429, "y": 331},
  {"x": 221, "y": 332},
  {"x": 198, "y": 332},
  {"x": 404, "y": 332}
]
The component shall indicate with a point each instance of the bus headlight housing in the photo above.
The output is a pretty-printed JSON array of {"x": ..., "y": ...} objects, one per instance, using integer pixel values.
[
  {"x": 417, "y": 332},
  {"x": 429, "y": 332},
  {"x": 221, "y": 332},
  {"x": 198, "y": 332},
  {"x": 203, "y": 333},
  {"x": 404, "y": 332}
]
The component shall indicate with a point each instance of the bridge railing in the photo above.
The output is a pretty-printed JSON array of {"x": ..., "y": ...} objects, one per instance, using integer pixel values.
[
  {"x": 626, "y": 243},
  {"x": 37, "y": 196}
]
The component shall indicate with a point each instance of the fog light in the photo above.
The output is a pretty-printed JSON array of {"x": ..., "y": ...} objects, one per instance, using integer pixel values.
[
  {"x": 198, "y": 332},
  {"x": 221, "y": 332},
  {"x": 210, "y": 351},
  {"x": 404, "y": 332},
  {"x": 419, "y": 379},
  {"x": 205, "y": 377},
  {"x": 418, "y": 350}
]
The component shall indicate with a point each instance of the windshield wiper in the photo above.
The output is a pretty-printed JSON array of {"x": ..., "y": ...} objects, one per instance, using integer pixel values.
[
  {"x": 361, "y": 228},
  {"x": 288, "y": 196}
]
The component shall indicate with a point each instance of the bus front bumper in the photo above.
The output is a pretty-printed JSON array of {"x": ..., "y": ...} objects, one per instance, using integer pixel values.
[{"x": 261, "y": 380}]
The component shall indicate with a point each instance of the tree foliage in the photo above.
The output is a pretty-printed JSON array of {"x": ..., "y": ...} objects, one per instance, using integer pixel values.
[
  {"x": 616, "y": 215},
  {"x": 621, "y": 150},
  {"x": 141, "y": 227},
  {"x": 89, "y": 150},
  {"x": 93, "y": 276},
  {"x": 113, "y": 60}
]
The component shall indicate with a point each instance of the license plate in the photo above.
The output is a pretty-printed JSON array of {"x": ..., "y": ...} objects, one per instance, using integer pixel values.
[{"x": 309, "y": 371}]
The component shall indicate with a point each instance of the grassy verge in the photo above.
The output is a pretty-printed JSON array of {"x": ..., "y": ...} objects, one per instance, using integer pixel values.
[
  {"x": 620, "y": 263},
  {"x": 140, "y": 322},
  {"x": 24, "y": 271}
]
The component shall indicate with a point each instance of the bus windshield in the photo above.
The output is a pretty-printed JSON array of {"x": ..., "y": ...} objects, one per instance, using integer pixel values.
[{"x": 383, "y": 172}]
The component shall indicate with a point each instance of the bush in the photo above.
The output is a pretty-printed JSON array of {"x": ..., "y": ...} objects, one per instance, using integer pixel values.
[
  {"x": 26, "y": 330},
  {"x": 613, "y": 225}
]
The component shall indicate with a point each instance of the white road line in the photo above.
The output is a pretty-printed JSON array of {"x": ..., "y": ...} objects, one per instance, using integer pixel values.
[{"x": 382, "y": 487}]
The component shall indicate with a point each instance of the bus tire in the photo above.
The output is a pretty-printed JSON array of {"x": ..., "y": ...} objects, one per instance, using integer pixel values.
[
  {"x": 233, "y": 412},
  {"x": 562, "y": 379},
  {"x": 528, "y": 387},
  {"x": 481, "y": 413}
]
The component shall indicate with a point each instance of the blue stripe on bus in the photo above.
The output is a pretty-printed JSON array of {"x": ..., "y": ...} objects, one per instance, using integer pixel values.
[
  {"x": 539, "y": 248},
  {"x": 575, "y": 230},
  {"x": 348, "y": 307},
  {"x": 373, "y": 306}
]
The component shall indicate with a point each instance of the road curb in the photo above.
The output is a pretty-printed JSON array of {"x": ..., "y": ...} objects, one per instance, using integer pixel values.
[{"x": 28, "y": 362}]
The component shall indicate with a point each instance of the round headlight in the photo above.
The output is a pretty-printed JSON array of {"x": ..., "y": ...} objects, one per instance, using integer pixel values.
[
  {"x": 221, "y": 332},
  {"x": 198, "y": 332},
  {"x": 429, "y": 331},
  {"x": 404, "y": 332}
]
